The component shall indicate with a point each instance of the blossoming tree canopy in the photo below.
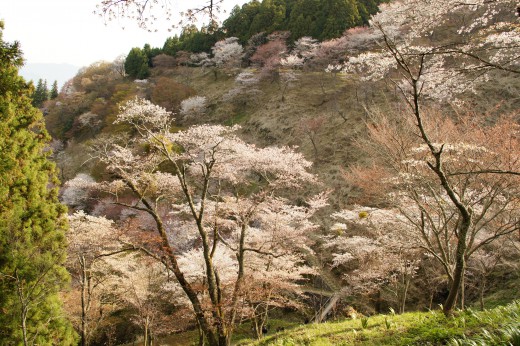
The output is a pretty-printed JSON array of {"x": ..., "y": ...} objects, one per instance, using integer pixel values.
[
  {"x": 225, "y": 195},
  {"x": 465, "y": 167},
  {"x": 430, "y": 42}
]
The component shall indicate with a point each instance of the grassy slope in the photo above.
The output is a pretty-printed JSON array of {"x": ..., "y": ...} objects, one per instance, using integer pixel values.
[
  {"x": 490, "y": 327},
  {"x": 497, "y": 326}
]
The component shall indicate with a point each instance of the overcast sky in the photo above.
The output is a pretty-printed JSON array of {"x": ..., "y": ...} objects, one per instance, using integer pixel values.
[{"x": 67, "y": 31}]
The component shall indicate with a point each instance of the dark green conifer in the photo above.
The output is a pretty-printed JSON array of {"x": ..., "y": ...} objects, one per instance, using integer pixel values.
[
  {"x": 54, "y": 90},
  {"x": 32, "y": 221},
  {"x": 41, "y": 94},
  {"x": 136, "y": 64}
]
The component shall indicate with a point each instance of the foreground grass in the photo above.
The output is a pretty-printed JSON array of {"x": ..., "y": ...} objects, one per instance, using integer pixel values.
[{"x": 498, "y": 326}]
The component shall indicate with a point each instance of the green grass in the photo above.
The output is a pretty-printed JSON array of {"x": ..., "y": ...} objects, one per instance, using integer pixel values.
[
  {"x": 502, "y": 296},
  {"x": 497, "y": 326}
]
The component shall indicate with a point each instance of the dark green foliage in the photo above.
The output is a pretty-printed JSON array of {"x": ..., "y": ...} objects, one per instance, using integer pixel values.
[
  {"x": 366, "y": 8},
  {"x": 54, "y": 90},
  {"x": 321, "y": 19},
  {"x": 239, "y": 20},
  {"x": 193, "y": 40},
  {"x": 32, "y": 222},
  {"x": 136, "y": 64},
  {"x": 151, "y": 53},
  {"x": 196, "y": 41},
  {"x": 270, "y": 17},
  {"x": 172, "y": 45},
  {"x": 346, "y": 15},
  {"x": 41, "y": 94}
]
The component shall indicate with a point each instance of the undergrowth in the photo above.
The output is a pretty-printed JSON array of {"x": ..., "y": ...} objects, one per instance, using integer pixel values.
[{"x": 498, "y": 326}]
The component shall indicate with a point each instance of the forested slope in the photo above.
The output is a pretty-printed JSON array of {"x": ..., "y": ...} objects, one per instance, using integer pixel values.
[{"x": 380, "y": 167}]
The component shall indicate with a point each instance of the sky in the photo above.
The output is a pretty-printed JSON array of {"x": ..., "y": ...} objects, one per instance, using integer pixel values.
[{"x": 67, "y": 31}]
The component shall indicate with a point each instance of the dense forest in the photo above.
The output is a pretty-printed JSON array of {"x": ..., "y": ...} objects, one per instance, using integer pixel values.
[
  {"x": 254, "y": 21},
  {"x": 294, "y": 177}
]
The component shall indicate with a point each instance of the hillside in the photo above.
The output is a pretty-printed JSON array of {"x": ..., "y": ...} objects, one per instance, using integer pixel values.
[
  {"x": 371, "y": 172},
  {"x": 317, "y": 107},
  {"x": 498, "y": 326}
]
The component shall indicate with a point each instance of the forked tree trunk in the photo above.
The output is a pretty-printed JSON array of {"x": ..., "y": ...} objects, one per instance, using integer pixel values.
[
  {"x": 464, "y": 212},
  {"x": 214, "y": 334},
  {"x": 24, "y": 327}
]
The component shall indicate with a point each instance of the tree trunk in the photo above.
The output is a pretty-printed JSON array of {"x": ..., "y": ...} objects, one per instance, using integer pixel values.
[
  {"x": 146, "y": 331},
  {"x": 330, "y": 304},
  {"x": 24, "y": 326},
  {"x": 462, "y": 293},
  {"x": 460, "y": 267},
  {"x": 207, "y": 329},
  {"x": 83, "y": 283},
  {"x": 201, "y": 334},
  {"x": 481, "y": 290},
  {"x": 464, "y": 212},
  {"x": 25, "y": 307},
  {"x": 404, "y": 294}
]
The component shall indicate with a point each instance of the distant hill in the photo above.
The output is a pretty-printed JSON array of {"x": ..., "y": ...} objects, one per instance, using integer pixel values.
[{"x": 51, "y": 72}]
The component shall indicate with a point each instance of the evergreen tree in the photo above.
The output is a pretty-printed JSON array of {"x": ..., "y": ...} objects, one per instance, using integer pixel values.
[
  {"x": 40, "y": 95},
  {"x": 32, "y": 221},
  {"x": 172, "y": 45},
  {"x": 151, "y": 53},
  {"x": 54, "y": 90},
  {"x": 45, "y": 91},
  {"x": 321, "y": 19},
  {"x": 237, "y": 24},
  {"x": 343, "y": 14},
  {"x": 136, "y": 64}
]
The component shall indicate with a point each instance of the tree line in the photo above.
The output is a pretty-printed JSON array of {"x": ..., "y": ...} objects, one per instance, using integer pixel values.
[
  {"x": 321, "y": 20},
  {"x": 42, "y": 93}
]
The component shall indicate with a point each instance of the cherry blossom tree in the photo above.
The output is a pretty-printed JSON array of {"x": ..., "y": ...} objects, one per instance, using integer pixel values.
[
  {"x": 425, "y": 63},
  {"x": 221, "y": 190},
  {"x": 430, "y": 63},
  {"x": 311, "y": 128},
  {"x": 376, "y": 249},
  {"x": 245, "y": 89},
  {"x": 164, "y": 61},
  {"x": 286, "y": 81},
  {"x": 457, "y": 188},
  {"x": 253, "y": 43},
  {"x": 292, "y": 61},
  {"x": 143, "y": 285},
  {"x": 193, "y": 106},
  {"x": 75, "y": 192},
  {"x": 91, "y": 239},
  {"x": 227, "y": 53},
  {"x": 305, "y": 48},
  {"x": 269, "y": 55},
  {"x": 201, "y": 59},
  {"x": 118, "y": 65}
]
